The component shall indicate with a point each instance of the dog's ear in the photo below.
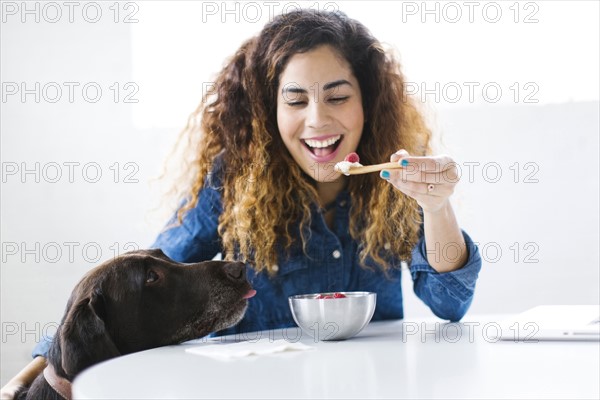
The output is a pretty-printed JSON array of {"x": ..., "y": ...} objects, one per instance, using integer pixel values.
[
  {"x": 158, "y": 253},
  {"x": 84, "y": 339}
]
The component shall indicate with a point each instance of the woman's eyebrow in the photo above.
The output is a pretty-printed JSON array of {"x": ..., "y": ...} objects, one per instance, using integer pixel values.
[
  {"x": 293, "y": 88},
  {"x": 335, "y": 84}
]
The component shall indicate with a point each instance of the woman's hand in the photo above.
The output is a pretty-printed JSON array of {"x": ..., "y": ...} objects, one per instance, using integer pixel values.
[
  {"x": 9, "y": 390},
  {"x": 429, "y": 180},
  {"x": 23, "y": 379}
]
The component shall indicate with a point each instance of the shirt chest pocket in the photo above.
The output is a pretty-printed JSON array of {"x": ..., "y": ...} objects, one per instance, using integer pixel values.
[
  {"x": 294, "y": 277},
  {"x": 372, "y": 277}
]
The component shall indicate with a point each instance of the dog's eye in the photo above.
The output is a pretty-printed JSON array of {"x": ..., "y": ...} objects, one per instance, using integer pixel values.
[{"x": 151, "y": 276}]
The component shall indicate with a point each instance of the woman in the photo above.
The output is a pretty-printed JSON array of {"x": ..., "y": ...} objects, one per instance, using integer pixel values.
[{"x": 311, "y": 88}]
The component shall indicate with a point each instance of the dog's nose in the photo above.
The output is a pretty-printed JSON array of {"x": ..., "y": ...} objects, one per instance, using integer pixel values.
[{"x": 236, "y": 271}]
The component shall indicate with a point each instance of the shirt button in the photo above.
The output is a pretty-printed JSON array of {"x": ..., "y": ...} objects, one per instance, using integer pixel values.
[
  {"x": 343, "y": 203},
  {"x": 275, "y": 268},
  {"x": 336, "y": 254}
]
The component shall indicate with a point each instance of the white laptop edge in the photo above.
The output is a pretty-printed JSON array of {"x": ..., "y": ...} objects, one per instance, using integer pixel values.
[{"x": 553, "y": 322}]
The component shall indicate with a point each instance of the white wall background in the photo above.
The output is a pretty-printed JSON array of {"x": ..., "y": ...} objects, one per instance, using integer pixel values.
[{"x": 537, "y": 222}]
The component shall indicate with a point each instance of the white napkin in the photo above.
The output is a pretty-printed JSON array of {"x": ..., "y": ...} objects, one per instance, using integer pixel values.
[{"x": 245, "y": 349}]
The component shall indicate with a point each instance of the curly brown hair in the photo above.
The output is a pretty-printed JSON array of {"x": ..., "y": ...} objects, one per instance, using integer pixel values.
[{"x": 266, "y": 196}]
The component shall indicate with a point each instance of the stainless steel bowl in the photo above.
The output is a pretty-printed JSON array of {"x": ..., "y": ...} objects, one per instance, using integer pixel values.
[{"x": 333, "y": 319}]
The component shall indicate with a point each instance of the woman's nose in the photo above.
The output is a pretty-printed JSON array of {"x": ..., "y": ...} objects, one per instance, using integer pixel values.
[{"x": 317, "y": 115}]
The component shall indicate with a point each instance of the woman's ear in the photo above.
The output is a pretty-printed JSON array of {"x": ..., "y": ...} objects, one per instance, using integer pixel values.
[{"x": 84, "y": 340}]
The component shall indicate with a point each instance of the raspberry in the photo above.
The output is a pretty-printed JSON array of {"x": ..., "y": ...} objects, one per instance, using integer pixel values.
[
  {"x": 352, "y": 157},
  {"x": 331, "y": 296}
]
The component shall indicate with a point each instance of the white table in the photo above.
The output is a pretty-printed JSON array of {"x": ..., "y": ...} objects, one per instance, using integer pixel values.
[{"x": 397, "y": 359}]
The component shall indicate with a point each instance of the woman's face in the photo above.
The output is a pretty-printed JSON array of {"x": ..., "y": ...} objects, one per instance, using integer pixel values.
[{"x": 319, "y": 111}]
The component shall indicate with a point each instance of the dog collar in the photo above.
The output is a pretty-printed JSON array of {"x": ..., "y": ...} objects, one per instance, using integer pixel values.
[{"x": 61, "y": 385}]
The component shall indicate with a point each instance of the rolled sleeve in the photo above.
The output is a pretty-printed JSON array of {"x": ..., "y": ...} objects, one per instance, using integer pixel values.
[
  {"x": 449, "y": 294},
  {"x": 42, "y": 348}
]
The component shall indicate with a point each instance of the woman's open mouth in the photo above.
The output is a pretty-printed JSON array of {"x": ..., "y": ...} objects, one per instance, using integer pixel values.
[{"x": 323, "y": 149}]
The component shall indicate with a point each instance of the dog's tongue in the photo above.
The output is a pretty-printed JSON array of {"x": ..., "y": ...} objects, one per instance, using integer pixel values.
[{"x": 250, "y": 293}]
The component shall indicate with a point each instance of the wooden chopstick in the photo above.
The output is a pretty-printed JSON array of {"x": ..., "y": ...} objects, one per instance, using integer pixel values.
[{"x": 365, "y": 169}]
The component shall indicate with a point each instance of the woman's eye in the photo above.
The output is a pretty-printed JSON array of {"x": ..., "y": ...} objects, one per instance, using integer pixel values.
[
  {"x": 338, "y": 99},
  {"x": 295, "y": 103},
  {"x": 151, "y": 277}
]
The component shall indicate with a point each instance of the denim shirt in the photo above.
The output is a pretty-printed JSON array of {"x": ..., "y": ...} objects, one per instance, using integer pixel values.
[{"x": 331, "y": 264}]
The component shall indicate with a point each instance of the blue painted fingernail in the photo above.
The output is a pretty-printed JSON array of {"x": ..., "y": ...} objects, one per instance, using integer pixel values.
[
  {"x": 385, "y": 174},
  {"x": 404, "y": 163}
]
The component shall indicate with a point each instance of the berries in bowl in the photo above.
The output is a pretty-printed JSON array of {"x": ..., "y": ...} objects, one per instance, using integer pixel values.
[{"x": 333, "y": 316}]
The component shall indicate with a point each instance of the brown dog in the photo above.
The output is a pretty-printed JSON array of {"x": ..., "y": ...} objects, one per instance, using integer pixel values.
[{"x": 138, "y": 301}]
